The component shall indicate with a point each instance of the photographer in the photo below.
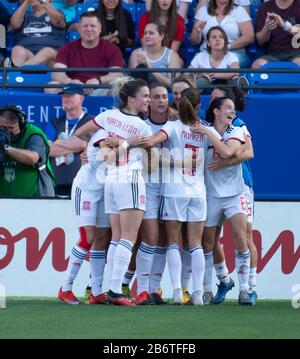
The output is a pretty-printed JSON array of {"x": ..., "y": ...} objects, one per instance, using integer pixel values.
[{"x": 25, "y": 170}]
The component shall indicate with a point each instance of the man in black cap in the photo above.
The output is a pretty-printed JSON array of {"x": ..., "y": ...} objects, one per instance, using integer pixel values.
[
  {"x": 25, "y": 169},
  {"x": 65, "y": 149}
]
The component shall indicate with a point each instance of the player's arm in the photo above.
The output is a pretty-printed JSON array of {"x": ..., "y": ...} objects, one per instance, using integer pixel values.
[
  {"x": 246, "y": 153},
  {"x": 85, "y": 131}
]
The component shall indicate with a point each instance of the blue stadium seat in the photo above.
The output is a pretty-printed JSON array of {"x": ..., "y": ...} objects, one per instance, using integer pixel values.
[
  {"x": 130, "y": 7},
  {"x": 140, "y": 9},
  {"x": 276, "y": 79},
  {"x": 72, "y": 36},
  {"x": 11, "y": 6},
  {"x": 26, "y": 78},
  {"x": 81, "y": 8}
]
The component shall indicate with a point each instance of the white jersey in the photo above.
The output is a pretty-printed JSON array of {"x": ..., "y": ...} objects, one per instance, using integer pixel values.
[
  {"x": 153, "y": 181},
  {"x": 227, "y": 181},
  {"x": 124, "y": 126},
  {"x": 91, "y": 176},
  {"x": 185, "y": 145}
]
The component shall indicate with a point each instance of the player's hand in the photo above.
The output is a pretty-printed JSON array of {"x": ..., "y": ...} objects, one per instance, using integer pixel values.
[
  {"x": 199, "y": 127},
  {"x": 84, "y": 158},
  {"x": 112, "y": 141}
]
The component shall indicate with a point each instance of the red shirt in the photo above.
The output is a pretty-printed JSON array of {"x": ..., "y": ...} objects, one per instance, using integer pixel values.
[
  {"x": 105, "y": 54},
  {"x": 180, "y": 27}
]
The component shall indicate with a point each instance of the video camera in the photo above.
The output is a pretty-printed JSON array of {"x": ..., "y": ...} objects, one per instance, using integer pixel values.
[{"x": 5, "y": 138}]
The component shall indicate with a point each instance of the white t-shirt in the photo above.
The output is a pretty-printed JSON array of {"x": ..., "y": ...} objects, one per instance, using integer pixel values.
[
  {"x": 227, "y": 181},
  {"x": 201, "y": 60},
  {"x": 124, "y": 126},
  {"x": 91, "y": 176},
  {"x": 230, "y": 23},
  {"x": 153, "y": 181},
  {"x": 183, "y": 144}
]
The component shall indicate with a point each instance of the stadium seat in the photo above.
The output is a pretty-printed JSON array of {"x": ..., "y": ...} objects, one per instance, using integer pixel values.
[
  {"x": 131, "y": 8},
  {"x": 25, "y": 78},
  {"x": 276, "y": 79},
  {"x": 140, "y": 9},
  {"x": 11, "y": 6},
  {"x": 72, "y": 36},
  {"x": 87, "y": 6}
]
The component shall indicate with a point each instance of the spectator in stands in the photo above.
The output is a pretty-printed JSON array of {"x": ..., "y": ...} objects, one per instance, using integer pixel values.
[
  {"x": 216, "y": 57},
  {"x": 65, "y": 149},
  {"x": 4, "y": 20},
  {"x": 68, "y": 8},
  {"x": 88, "y": 51},
  {"x": 182, "y": 6},
  {"x": 235, "y": 21},
  {"x": 39, "y": 33},
  {"x": 117, "y": 23},
  {"x": 276, "y": 24},
  {"x": 25, "y": 170},
  {"x": 155, "y": 55},
  {"x": 244, "y": 3},
  {"x": 164, "y": 12}
]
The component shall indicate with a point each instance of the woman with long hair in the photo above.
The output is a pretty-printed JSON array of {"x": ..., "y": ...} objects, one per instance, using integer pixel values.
[
  {"x": 164, "y": 12},
  {"x": 125, "y": 194},
  {"x": 235, "y": 21},
  {"x": 154, "y": 55},
  {"x": 216, "y": 57},
  {"x": 225, "y": 189},
  {"x": 117, "y": 23}
]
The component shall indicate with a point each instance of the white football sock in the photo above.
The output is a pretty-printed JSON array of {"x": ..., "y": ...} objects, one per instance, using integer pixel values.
[
  {"x": 110, "y": 258},
  {"x": 186, "y": 272},
  {"x": 252, "y": 278},
  {"x": 122, "y": 258},
  {"x": 75, "y": 261},
  {"x": 222, "y": 272},
  {"x": 242, "y": 266},
  {"x": 157, "y": 270},
  {"x": 97, "y": 263},
  {"x": 144, "y": 260},
  {"x": 209, "y": 263},
  {"x": 174, "y": 265},
  {"x": 198, "y": 268},
  {"x": 128, "y": 277}
]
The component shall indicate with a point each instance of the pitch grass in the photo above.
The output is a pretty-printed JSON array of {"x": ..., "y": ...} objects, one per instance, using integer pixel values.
[{"x": 47, "y": 318}]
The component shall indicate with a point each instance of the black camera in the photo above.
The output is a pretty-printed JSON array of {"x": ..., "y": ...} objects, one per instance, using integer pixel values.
[{"x": 5, "y": 138}]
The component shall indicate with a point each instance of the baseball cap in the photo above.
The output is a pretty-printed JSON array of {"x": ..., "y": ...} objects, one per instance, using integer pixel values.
[{"x": 72, "y": 89}]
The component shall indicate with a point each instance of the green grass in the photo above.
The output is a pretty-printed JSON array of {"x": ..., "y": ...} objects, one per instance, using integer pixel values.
[{"x": 48, "y": 318}]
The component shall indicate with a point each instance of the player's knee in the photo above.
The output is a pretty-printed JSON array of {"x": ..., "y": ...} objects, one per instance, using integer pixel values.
[{"x": 86, "y": 240}]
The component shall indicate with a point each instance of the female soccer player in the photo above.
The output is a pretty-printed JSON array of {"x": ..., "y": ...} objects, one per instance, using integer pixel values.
[
  {"x": 225, "y": 188},
  {"x": 125, "y": 196}
]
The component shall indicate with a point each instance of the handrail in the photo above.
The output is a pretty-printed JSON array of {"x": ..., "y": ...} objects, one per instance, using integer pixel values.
[{"x": 37, "y": 70}]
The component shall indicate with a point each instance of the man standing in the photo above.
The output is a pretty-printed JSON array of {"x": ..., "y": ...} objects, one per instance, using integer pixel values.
[
  {"x": 65, "y": 151},
  {"x": 88, "y": 51},
  {"x": 25, "y": 170}
]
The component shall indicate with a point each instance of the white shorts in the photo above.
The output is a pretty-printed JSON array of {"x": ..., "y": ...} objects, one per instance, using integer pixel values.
[
  {"x": 125, "y": 195},
  {"x": 183, "y": 209},
  {"x": 219, "y": 209},
  {"x": 249, "y": 203},
  {"x": 88, "y": 207},
  {"x": 153, "y": 199}
]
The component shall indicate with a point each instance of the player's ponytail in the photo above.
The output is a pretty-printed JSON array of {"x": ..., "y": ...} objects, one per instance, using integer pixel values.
[{"x": 189, "y": 105}]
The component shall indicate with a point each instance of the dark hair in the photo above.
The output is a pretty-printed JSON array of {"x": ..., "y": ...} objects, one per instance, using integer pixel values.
[
  {"x": 190, "y": 98},
  {"x": 154, "y": 13},
  {"x": 225, "y": 37},
  {"x": 90, "y": 14},
  {"x": 236, "y": 94},
  {"x": 120, "y": 17},
  {"x": 14, "y": 114},
  {"x": 212, "y": 7},
  {"x": 127, "y": 87},
  {"x": 155, "y": 84},
  {"x": 216, "y": 103},
  {"x": 186, "y": 79}
]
